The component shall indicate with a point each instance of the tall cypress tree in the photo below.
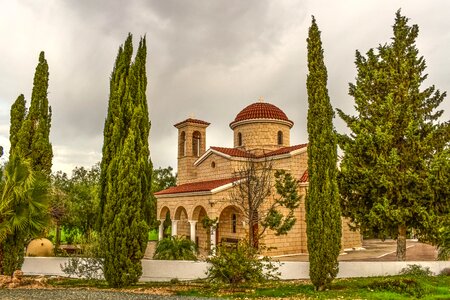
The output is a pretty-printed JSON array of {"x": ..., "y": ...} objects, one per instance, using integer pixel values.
[
  {"x": 33, "y": 138},
  {"x": 18, "y": 114},
  {"x": 126, "y": 169},
  {"x": 323, "y": 216},
  {"x": 385, "y": 172}
]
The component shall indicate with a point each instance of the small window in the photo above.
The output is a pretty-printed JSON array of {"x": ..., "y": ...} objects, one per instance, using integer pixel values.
[
  {"x": 280, "y": 137},
  {"x": 239, "y": 139},
  {"x": 213, "y": 165},
  {"x": 233, "y": 223}
]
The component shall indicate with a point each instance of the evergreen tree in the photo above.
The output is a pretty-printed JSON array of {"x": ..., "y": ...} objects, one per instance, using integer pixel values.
[
  {"x": 385, "y": 173},
  {"x": 33, "y": 138},
  {"x": 323, "y": 215},
  {"x": 18, "y": 114},
  {"x": 126, "y": 170}
]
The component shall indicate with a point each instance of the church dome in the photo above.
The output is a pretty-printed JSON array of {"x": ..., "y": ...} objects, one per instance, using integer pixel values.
[{"x": 258, "y": 111}]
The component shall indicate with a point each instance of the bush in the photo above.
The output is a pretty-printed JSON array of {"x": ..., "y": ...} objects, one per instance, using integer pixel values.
[
  {"x": 399, "y": 285},
  {"x": 445, "y": 272},
  {"x": 90, "y": 266},
  {"x": 234, "y": 265},
  {"x": 175, "y": 248},
  {"x": 416, "y": 270}
]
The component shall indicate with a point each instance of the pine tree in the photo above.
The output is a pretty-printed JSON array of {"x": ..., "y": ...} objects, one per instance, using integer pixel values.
[
  {"x": 385, "y": 172},
  {"x": 126, "y": 170},
  {"x": 323, "y": 216}
]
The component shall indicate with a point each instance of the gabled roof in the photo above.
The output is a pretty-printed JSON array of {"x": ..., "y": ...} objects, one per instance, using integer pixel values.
[
  {"x": 284, "y": 150},
  {"x": 191, "y": 120},
  {"x": 234, "y": 152},
  {"x": 305, "y": 177},
  {"x": 202, "y": 186}
]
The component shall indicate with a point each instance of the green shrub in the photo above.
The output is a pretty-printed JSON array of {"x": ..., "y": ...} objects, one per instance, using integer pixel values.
[
  {"x": 234, "y": 265},
  {"x": 175, "y": 248},
  {"x": 399, "y": 285},
  {"x": 416, "y": 270},
  {"x": 445, "y": 272}
]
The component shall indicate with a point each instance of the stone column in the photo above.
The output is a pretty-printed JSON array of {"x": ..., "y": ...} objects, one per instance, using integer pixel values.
[
  {"x": 213, "y": 239},
  {"x": 174, "y": 227},
  {"x": 161, "y": 230},
  {"x": 193, "y": 232}
]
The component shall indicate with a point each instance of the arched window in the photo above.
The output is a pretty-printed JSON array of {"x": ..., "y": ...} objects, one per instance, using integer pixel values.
[
  {"x": 196, "y": 137},
  {"x": 182, "y": 145},
  {"x": 239, "y": 139},
  {"x": 280, "y": 137}
]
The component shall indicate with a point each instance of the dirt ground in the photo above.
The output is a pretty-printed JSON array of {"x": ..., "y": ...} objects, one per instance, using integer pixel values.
[{"x": 378, "y": 250}]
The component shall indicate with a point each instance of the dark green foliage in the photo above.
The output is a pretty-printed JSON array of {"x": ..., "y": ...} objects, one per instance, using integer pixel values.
[
  {"x": 408, "y": 286},
  {"x": 235, "y": 265},
  {"x": 416, "y": 270},
  {"x": 23, "y": 210},
  {"x": 163, "y": 179},
  {"x": 175, "y": 248},
  {"x": 18, "y": 113},
  {"x": 125, "y": 170},
  {"x": 288, "y": 198},
  {"x": 323, "y": 215},
  {"x": 387, "y": 169},
  {"x": 32, "y": 140}
]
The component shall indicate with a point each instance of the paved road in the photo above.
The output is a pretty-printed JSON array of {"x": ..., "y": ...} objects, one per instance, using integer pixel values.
[{"x": 78, "y": 294}]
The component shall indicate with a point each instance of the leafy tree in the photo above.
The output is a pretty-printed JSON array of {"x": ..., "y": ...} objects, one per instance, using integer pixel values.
[
  {"x": 385, "y": 172},
  {"x": 323, "y": 215},
  {"x": 18, "y": 114},
  {"x": 125, "y": 176},
  {"x": 163, "y": 179},
  {"x": 175, "y": 248},
  {"x": 251, "y": 193},
  {"x": 23, "y": 211}
]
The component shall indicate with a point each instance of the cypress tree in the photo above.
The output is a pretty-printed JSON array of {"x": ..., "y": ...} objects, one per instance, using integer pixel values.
[
  {"x": 33, "y": 138},
  {"x": 18, "y": 113},
  {"x": 385, "y": 172},
  {"x": 323, "y": 216},
  {"x": 126, "y": 169}
]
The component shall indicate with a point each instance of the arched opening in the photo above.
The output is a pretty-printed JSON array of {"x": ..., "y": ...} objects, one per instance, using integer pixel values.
[
  {"x": 203, "y": 235},
  {"x": 231, "y": 228},
  {"x": 182, "y": 144},
  {"x": 181, "y": 218},
  {"x": 164, "y": 217},
  {"x": 196, "y": 138},
  {"x": 280, "y": 137},
  {"x": 239, "y": 139}
]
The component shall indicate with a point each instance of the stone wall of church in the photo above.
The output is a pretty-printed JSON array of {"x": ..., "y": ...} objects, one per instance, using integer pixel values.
[{"x": 258, "y": 136}]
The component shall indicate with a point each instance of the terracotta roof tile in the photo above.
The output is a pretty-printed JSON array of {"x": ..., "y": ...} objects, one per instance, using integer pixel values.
[
  {"x": 234, "y": 152},
  {"x": 305, "y": 177},
  {"x": 201, "y": 186},
  {"x": 260, "y": 110},
  {"x": 191, "y": 120},
  {"x": 285, "y": 150}
]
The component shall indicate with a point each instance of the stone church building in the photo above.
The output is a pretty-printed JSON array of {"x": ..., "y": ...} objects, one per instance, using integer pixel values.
[{"x": 261, "y": 131}]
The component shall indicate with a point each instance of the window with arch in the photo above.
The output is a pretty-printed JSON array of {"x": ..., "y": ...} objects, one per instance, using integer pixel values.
[
  {"x": 196, "y": 137},
  {"x": 239, "y": 139},
  {"x": 280, "y": 137},
  {"x": 182, "y": 145},
  {"x": 233, "y": 223}
]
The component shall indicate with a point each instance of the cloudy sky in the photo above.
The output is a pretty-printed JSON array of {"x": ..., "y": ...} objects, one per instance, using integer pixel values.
[{"x": 207, "y": 59}]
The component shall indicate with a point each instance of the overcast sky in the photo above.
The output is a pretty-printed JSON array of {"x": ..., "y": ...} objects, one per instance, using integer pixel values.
[{"x": 207, "y": 59}]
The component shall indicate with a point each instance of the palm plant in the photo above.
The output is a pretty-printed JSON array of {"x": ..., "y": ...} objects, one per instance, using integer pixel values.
[
  {"x": 175, "y": 248},
  {"x": 23, "y": 211}
]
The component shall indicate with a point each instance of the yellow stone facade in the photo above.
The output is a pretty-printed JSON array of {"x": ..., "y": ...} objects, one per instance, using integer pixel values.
[{"x": 205, "y": 179}]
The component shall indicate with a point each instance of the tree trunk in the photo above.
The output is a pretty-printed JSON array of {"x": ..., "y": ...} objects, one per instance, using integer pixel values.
[
  {"x": 57, "y": 238},
  {"x": 401, "y": 243}
]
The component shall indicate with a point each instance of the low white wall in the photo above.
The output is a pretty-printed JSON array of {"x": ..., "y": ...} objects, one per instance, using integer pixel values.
[{"x": 165, "y": 270}]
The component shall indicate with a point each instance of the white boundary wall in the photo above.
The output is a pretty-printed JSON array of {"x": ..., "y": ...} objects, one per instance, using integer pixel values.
[{"x": 165, "y": 270}]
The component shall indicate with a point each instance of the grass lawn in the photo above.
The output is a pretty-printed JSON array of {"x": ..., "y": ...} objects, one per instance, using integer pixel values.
[{"x": 393, "y": 287}]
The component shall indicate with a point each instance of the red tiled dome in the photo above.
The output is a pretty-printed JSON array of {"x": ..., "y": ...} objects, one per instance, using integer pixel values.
[{"x": 260, "y": 110}]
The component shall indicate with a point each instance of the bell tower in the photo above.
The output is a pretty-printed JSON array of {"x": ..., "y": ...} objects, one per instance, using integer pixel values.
[{"x": 191, "y": 145}]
